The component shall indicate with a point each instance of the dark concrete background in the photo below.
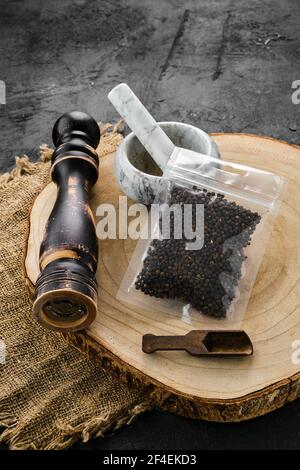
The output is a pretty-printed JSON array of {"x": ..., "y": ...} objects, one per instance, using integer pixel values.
[{"x": 220, "y": 65}]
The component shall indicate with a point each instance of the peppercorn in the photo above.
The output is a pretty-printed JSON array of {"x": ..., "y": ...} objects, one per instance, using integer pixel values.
[{"x": 207, "y": 279}]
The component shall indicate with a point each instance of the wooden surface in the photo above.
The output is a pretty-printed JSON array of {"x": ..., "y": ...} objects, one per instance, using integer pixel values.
[
  {"x": 48, "y": 70},
  {"x": 245, "y": 387}
]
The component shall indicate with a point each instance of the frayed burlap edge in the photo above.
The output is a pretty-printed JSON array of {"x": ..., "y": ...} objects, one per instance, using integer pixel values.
[
  {"x": 23, "y": 166},
  {"x": 92, "y": 428},
  {"x": 11, "y": 434}
]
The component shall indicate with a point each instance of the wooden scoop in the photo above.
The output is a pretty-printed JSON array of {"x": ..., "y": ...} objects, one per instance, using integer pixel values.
[{"x": 202, "y": 343}]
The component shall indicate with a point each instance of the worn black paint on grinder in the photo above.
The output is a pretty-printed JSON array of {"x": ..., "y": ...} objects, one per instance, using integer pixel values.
[{"x": 66, "y": 289}]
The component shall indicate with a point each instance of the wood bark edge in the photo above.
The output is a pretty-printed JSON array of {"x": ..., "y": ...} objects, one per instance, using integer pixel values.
[{"x": 238, "y": 409}]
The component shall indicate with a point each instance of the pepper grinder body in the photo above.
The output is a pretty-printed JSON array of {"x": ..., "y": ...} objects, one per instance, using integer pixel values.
[{"x": 66, "y": 289}]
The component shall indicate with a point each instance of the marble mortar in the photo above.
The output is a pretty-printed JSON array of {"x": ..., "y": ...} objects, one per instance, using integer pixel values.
[{"x": 139, "y": 176}]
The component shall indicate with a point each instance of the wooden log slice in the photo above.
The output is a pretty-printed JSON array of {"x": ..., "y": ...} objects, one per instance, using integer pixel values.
[{"x": 228, "y": 389}]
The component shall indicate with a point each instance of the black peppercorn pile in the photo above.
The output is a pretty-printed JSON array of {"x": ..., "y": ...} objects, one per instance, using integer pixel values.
[{"x": 205, "y": 278}]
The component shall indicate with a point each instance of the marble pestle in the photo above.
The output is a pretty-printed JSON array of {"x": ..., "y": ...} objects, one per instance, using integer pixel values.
[{"x": 142, "y": 124}]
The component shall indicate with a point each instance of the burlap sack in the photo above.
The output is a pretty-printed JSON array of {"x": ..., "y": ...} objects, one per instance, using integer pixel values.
[{"x": 51, "y": 395}]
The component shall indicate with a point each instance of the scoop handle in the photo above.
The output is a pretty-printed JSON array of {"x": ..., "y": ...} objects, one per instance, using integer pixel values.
[{"x": 142, "y": 124}]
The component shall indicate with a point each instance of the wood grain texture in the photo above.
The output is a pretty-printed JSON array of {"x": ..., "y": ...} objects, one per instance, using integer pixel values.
[{"x": 215, "y": 389}]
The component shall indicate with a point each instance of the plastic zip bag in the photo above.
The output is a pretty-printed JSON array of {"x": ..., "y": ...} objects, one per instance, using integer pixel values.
[{"x": 203, "y": 253}]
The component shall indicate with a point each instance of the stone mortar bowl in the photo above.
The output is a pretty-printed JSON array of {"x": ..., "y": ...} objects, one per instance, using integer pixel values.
[{"x": 139, "y": 176}]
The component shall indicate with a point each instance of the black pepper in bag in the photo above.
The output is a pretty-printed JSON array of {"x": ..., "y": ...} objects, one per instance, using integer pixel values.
[
  {"x": 205, "y": 278},
  {"x": 212, "y": 280}
]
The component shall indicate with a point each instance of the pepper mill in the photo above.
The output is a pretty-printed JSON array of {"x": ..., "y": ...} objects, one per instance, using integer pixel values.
[{"x": 66, "y": 289}]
